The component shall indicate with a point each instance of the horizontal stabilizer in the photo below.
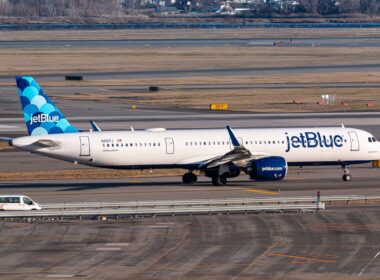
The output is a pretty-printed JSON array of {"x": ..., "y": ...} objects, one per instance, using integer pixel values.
[{"x": 5, "y": 139}]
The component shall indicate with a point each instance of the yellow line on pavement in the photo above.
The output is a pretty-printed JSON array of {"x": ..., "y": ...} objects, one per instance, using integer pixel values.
[
  {"x": 261, "y": 191},
  {"x": 301, "y": 259}
]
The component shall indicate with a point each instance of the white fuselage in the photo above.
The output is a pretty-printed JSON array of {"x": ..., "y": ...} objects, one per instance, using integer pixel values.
[{"x": 188, "y": 148}]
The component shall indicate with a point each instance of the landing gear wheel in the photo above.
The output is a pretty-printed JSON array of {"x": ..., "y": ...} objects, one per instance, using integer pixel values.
[
  {"x": 189, "y": 178},
  {"x": 219, "y": 180},
  {"x": 346, "y": 173},
  {"x": 347, "y": 177}
]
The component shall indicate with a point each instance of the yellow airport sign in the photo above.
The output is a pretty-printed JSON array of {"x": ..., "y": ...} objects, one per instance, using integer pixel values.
[{"x": 219, "y": 106}]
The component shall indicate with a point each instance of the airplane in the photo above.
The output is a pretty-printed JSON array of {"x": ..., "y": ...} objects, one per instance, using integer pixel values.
[{"x": 264, "y": 154}]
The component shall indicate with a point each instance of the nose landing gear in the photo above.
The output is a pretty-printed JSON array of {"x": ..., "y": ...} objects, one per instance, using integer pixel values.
[
  {"x": 346, "y": 173},
  {"x": 189, "y": 178}
]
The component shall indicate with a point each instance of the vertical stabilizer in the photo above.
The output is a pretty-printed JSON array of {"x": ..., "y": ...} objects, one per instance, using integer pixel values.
[{"x": 40, "y": 114}]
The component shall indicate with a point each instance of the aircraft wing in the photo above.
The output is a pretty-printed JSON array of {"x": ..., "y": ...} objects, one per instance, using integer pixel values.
[{"x": 239, "y": 154}]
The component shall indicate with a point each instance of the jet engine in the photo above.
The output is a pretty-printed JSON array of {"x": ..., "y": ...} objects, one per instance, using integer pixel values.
[{"x": 268, "y": 169}]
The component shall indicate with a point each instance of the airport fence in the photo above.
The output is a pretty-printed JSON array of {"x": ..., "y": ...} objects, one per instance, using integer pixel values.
[
  {"x": 163, "y": 210},
  {"x": 211, "y": 202},
  {"x": 122, "y": 209}
]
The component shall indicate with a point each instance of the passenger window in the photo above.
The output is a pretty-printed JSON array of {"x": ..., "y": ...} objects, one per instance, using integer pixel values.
[{"x": 204, "y": 143}]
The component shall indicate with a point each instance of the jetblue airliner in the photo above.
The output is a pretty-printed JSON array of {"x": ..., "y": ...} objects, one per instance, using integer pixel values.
[{"x": 263, "y": 154}]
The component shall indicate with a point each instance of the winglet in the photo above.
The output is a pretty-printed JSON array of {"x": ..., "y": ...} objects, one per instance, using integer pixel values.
[
  {"x": 234, "y": 140},
  {"x": 95, "y": 127}
]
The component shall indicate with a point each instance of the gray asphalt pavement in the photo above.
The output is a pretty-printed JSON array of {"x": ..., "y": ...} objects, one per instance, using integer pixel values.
[
  {"x": 330, "y": 244},
  {"x": 194, "y": 42}
]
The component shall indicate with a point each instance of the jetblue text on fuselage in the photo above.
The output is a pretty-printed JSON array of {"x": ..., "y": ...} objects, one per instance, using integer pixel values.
[
  {"x": 43, "y": 118},
  {"x": 313, "y": 140}
]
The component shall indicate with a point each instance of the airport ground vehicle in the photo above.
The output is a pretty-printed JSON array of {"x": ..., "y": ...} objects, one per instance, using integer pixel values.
[{"x": 17, "y": 202}]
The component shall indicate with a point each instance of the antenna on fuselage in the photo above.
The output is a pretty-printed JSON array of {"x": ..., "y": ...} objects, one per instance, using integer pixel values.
[
  {"x": 343, "y": 126},
  {"x": 132, "y": 129}
]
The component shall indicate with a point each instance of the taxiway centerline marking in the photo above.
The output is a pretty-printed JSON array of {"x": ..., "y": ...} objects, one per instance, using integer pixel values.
[{"x": 261, "y": 191}]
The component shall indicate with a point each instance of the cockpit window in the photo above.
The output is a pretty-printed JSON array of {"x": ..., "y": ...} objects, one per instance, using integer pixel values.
[{"x": 372, "y": 139}]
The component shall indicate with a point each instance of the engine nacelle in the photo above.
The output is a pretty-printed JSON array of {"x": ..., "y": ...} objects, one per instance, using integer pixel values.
[{"x": 268, "y": 169}]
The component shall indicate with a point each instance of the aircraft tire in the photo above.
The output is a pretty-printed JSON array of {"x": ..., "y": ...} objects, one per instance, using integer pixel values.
[
  {"x": 219, "y": 180},
  {"x": 347, "y": 177},
  {"x": 189, "y": 178}
]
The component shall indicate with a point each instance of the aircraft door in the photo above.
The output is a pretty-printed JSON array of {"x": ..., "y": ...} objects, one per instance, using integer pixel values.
[
  {"x": 354, "y": 140},
  {"x": 169, "y": 145},
  {"x": 84, "y": 145}
]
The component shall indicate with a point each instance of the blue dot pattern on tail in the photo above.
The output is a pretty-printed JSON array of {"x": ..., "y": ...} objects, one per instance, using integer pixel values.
[{"x": 40, "y": 114}]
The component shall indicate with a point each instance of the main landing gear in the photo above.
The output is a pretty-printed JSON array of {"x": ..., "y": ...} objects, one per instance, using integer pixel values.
[
  {"x": 346, "y": 173},
  {"x": 189, "y": 178},
  {"x": 219, "y": 180}
]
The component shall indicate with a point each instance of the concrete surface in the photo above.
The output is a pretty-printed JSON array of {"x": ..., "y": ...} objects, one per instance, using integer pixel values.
[{"x": 328, "y": 245}]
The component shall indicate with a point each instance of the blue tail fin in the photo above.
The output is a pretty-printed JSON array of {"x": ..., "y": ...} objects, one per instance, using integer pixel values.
[{"x": 40, "y": 114}]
